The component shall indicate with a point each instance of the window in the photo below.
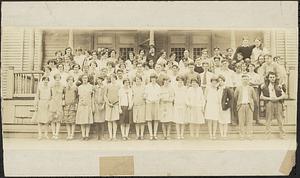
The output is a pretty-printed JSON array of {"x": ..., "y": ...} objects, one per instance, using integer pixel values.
[
  {"x": 124, "y": 52},
  {"x": 197, "y": 52},
  {"x": 178, "y": 52}
]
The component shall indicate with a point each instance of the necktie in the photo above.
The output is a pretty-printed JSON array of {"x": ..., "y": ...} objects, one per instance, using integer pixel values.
[{"x": 204, "y": 78}]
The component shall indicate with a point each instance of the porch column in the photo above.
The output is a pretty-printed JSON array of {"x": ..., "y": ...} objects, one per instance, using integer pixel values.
[
  {"x": 10, "y": 82},
  {"x": 151, "y": 38},
  {"x": 232, "y": 39},
  {"x": 71, "y": 41},
  {"x": 273, "y": 43}
]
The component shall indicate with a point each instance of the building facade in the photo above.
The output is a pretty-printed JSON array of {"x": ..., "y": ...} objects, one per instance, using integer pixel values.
[{"x": 26, "y": 50}]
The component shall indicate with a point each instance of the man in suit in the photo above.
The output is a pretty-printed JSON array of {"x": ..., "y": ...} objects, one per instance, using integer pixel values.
[{"x": 246, "y": 99}]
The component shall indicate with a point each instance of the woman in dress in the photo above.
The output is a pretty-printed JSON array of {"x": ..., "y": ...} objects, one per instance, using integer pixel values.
[
  {"x": 195, "y": 106},
  {"x": 112, "y": 106},
  {"x": 56, "y": 105},
  {"x": 166, "y": 106},
  {"x": 99, "y": 103},
  {"x": 42, "y": 106},
  {"x": 258, "y": 50},
  {"x": 70, "y": 101},
  {"x": 152, "y": 96},
  {"x": 180, "y": 102},
  {"x": 139, "y": 106},
  {"x": 84, "y": 115},
  {"x": 142, "y": 56},
  {"x": 226, "y": 98},
  {"x": 125, "y": 108},
  {"x": 212, "y": 107}
]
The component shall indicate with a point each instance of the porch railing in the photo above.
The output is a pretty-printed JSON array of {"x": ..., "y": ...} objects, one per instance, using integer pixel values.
[{"x": 22, "y": 83}]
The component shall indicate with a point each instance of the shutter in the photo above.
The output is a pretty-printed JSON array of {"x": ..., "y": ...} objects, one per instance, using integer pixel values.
[
  {"x": 38, "y": 49},
  {"x": 26, "y": 64},
  {"x": 292, "y": 48},
  {"x": 54, "y": 41},
  {"x": 267, "y": 40},
  {"x": 280, "y": 44},
  {"x": 11, "y": 54}
]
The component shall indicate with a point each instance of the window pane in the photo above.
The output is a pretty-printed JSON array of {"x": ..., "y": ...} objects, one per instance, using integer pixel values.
[
  {"x": 124, "y": 52},
  {"x": 178, "y": 52}
]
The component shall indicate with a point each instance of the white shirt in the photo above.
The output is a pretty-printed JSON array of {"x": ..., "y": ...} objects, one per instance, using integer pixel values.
[
  {"x": 245, "y": 97},
  {"x": 272, "y": 91},
  {"x": 125, "y": 97},
  {"x": 209, "y": 75},
  {"x": 79, "y": 59},
  {"x": 229, "y": 75},
  {"x": 152, "y": 92}
]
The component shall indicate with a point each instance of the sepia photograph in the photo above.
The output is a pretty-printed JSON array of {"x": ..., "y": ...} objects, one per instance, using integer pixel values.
[{"x": 109, "y": 99}]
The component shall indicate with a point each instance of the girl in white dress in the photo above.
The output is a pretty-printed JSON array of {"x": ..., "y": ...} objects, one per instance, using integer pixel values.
[
  {"x": 84, "y": 115},
  {"x": 139, "y": 107},
  {"x": 225, "y": 98},
  {"x": 152, "y": 96},
  {"x": 195, "y": 103},
  {"x": 166, "y": 107},
  {"x": 212, "y": 105},
  {"x": 42, "y": 107},
  {"x": 56, "y": 105},
  {"x": 180, "y": 102}
]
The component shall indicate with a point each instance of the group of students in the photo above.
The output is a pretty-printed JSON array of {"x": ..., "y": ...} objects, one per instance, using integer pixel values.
[{"x": 94, "y": 88}]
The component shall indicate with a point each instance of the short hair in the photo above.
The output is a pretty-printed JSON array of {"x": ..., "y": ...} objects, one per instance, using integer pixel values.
[
  {"x": 56, "y": 52},
  {"x": 223, "y": 60},
  {"x": 217, "y": 57},
  {"x": 76, "y": 65},
  {"x": 269, "y": 55},
  {"x": 217, "y": 48},
  {"x": 191, "y": 64},
  {"x": 165, "y": 78},
  {"x": 119, "y": 70},
  {"x": 153, "y": 75},
  {"x": 126, "y": 79},
  {"x": 57, "y": 75},
  {"x": 245, "y": 38},
  {"x": 245, "y": 75},
  {"x": 52, "y": 60},
  {"x": 229, "y": 49},
  {"x": 70, "y": 77},
  {"x": 214, "y": 78},
  {"x": 221, "y": 77},
  {"x": 139, "y": 63},
  {"x": 205, "y": 62},
  {"x": 94, "y": 62},
  {"x": 110, "y": 63},
  {"x": 142, "y": 50},
  {"x": 171, "y": 54},
  {"x": 179, "y": 78},
  {"x": 239, "y": 53},
  {"x": 47, "y": 67},
  {"x": 45, "y": 78},
  {"x": 138, "y": 76},
  {"x": 251, "y": 64},
  {"x": 113, "y": 76}
]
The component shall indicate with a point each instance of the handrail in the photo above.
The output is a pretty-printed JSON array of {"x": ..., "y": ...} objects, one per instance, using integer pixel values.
[{"x": 28, "y": 72}]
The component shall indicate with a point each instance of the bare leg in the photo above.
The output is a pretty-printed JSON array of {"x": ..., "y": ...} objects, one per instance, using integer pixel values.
[
  {"x": 164, "y": 130},
  {"x": 127, "y": 128},
  {"x": 53, "y": 129},
  {"x": 123, "y": 130},
  {"x": 46, "y": 130},
  {"x": 142, "y": 126},
  {"x": 215, "y": 125},
  {"x": 110, "y": 129},
  {"x": 57, "y": 128},
  {"x": 87, "y": 131},
  {"x": 182, "y": 130},
  {"x": 155, "y": 128},
  {"x": 197, "y": 130},
  {"x": 39, "y": 131},
  {"x": 72, "y": 130},
  {"x": 178, "y": 131},
  {"x": 68, "y": 126},
  {"x": 150, "y": 128},
  {"x": 137, "y": 130},
  {"x": 221, "y": 129},
  {"x": 82, "y": 130},
  {"x": 209, "y": 124},
  {"x": 168, "y": 129},
  {"x": 225, "y": 130},
  {"x": 115, "y": 127}
]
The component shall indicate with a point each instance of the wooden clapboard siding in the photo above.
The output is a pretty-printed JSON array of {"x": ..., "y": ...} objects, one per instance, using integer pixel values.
[
  {"x": 267, "y": 40},
  {"x": 38, "y": 49},
  {"x": 27, "y": 61},
  {"x": 280, "y": 44},
  {"x": 83, "y": 40},
  {"x": 54, "y": 40},
  {"x": 11, "y": 53}
]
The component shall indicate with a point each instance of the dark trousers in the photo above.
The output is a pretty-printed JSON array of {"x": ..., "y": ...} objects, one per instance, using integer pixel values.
[{"x": 233, "y": 111}]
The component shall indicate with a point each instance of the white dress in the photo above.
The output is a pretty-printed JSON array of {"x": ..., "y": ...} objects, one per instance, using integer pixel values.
[
  {"x": 166, "y": 104},
  {"x": 196, "y": 101},
  {"x": 180, "y": 114},
  {"x": 212, "y": 104},
  {"x": 84, "y": 113},
  {"x": 225, "y": 116}
]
